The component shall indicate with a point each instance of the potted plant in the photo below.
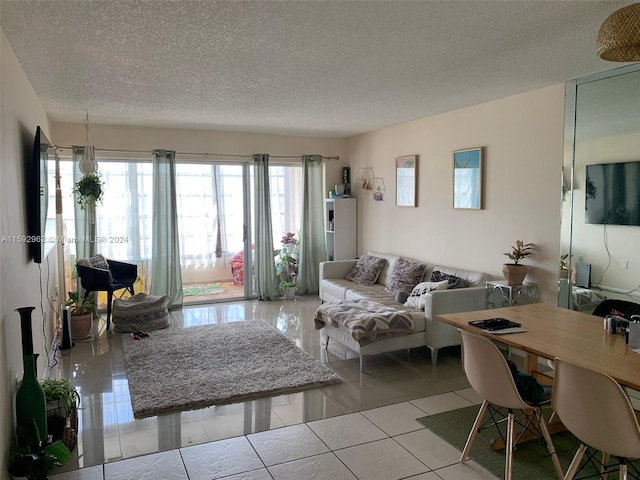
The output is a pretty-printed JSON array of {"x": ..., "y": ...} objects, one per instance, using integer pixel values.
[
  {"x": 564, "y": 265},
  {"x": 89, "y": 191},
  {"x": 62, "y": 405},
  {"x": 35, "y": 458},
  {"x": 82, "y": 308},
  {"x": 514, "y": 272},
  {"x": 288, "y": 289}
]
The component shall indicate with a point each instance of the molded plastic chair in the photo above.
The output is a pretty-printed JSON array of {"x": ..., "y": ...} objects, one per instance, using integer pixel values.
[
  {"x": 489, "y": 375},
  {"x": 595, "y": 408},
  {"x": 120, "y": 275}
]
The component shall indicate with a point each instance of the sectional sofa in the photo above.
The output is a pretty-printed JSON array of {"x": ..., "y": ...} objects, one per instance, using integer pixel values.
[{"x": 427, "y": 331}]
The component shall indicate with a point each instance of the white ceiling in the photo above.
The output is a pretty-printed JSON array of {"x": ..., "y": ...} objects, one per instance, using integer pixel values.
[{"x": 320, "y": 68}]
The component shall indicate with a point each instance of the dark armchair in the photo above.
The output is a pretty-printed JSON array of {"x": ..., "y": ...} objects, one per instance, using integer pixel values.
[
  {"x": 613, "y": 306},
  {"x": 119, "y": 275}
]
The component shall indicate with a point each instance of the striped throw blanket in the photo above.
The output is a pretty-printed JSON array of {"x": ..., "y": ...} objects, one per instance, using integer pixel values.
[{"x": 367, "y": 321}]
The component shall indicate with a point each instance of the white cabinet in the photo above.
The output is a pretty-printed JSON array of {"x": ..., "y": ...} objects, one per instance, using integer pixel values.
[{"x": 340, "y": 228}]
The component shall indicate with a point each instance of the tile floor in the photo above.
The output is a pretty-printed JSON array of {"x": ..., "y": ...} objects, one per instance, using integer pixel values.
[{"x": 363, "y": 428}]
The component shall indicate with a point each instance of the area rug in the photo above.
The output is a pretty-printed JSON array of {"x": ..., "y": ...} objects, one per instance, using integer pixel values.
[
  {"x": 207, "y": 289},
  {"x": 180, "y": 369},
  {"x": 531, "y": 460}
]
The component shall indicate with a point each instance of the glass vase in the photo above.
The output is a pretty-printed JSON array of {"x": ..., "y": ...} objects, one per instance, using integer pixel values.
[{"x": 31, "y": 407}]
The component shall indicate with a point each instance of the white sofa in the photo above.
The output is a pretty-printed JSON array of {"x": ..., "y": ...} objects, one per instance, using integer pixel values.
[{"x": 427, "y": 331}]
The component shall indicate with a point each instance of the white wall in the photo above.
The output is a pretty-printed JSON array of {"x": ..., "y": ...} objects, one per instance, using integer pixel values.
[
  {"x": 20, "y": 112},
  {"x": 523, "y": 141}
]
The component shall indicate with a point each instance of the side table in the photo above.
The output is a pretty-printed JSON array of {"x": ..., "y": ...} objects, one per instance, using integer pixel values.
[{"x": 500, "y": 294}]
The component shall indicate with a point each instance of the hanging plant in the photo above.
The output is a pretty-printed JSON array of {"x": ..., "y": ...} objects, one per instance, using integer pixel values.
[{"x": 89, "y": 190}]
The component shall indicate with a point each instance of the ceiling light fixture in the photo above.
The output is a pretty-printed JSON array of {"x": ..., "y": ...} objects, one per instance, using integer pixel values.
[
  {"x": 619, "y": 35},
  {"x": 88, "y": 164}
]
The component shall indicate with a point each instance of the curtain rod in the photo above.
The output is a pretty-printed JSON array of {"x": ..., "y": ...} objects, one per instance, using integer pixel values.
[{"x": 337, "y": 157}]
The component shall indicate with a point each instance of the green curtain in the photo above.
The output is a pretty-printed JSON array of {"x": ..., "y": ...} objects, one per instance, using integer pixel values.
[
  {"x": 312, "y": 240},
  {"x": 166, "y": 276},
  {"x": 266, "y": 280}
]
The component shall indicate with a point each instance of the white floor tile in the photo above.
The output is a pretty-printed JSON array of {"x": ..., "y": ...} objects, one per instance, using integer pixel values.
[
  {"x": 429, "y": 448},
  {"x": 326, "y": 466},
  {"x": 90, "y": 473},
  {"x": 147, "y": 467},
  {"x": 261, "y": 474},
  {"x": 286, "y": 444},
  {"x": 441, "y": 403},
  {"x": 396, "y": 419},
  {"x": 219, "y": 459},
  {"x": 425, "y": 476},
  {"x": 384, "y": 459},
  {"x": 471, "y": 395},
  {"x": 465, "y": 471},
  {"x": 346, "y": 431}
]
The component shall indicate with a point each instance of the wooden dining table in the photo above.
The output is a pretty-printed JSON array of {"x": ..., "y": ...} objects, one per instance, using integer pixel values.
[{"x": 552, "y": 332}]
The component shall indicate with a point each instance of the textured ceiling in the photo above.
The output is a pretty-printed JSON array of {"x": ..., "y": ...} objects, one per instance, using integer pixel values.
[{"x": 321, "y": 68}]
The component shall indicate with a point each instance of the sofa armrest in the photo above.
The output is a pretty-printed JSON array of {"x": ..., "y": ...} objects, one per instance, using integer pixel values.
[
  {"x": 336, "y": 269},
  {"x": 440, "y": 334},
  {"x": 456, "y": 300}
]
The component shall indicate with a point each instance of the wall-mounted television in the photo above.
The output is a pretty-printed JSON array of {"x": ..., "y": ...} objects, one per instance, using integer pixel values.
[
  {"x": 612, "y": 193},
  {"x": 40, "y": 192}
]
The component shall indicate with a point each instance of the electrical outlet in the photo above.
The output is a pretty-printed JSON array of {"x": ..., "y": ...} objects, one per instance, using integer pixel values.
[{"x": 624, "y": 264}]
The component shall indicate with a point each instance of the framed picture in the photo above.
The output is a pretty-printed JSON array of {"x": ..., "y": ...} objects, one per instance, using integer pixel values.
[
  {"x": 406, "y": 181},
  {"x": 467, "y": 178}
]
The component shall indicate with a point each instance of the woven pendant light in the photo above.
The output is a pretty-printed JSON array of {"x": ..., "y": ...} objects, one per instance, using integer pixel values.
[{"x": 619, "y": 35}]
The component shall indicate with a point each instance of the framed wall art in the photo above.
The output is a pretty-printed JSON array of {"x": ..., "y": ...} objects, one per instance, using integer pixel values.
[
  {"x": 406, "y": 181},
  {"x": 467, "y": 178}
]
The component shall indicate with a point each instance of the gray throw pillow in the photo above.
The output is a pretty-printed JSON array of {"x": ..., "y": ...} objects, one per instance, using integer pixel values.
[
  {"x": 366, "y": 270},
  {"x": 405, "y": 276},
  {"x": 454, "y": 282}
]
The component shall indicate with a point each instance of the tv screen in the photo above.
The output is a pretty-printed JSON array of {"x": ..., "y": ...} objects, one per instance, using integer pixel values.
[{"x": 612, "y": 194}]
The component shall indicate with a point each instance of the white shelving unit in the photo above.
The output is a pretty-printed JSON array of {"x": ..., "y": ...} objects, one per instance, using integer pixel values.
[{"x": 340, "y": 228}]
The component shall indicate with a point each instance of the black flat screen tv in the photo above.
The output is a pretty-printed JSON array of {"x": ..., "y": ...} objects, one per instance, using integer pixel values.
[
  {"x": 612, "y": 193},
  {"x": 39, "y": 186}
]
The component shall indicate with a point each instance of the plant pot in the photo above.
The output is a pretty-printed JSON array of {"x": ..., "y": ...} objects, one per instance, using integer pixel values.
[
  {"x": 81, "y": 326},
  {"x": 289, "y": 293},
  {"x": 514, "y": 273}
]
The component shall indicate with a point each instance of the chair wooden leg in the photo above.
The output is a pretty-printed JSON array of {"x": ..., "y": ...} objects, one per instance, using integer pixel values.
[
  {"x": 623, "y": 471},
  {"x": 509, "y": 445},
  {"x": 605, "y": 463},
  {"x": 474, "y": 431},
  {"x": 575, "y": 463},
  {"x": 550, "y": 446}
]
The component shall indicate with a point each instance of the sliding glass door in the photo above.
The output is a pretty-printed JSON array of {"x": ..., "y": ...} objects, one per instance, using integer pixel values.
[{"x": 211, "y": 223}]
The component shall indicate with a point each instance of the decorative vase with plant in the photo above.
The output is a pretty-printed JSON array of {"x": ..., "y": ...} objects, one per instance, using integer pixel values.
[
  {"x": 82, "y": 308},
  {"x": 514, "y": 272}
]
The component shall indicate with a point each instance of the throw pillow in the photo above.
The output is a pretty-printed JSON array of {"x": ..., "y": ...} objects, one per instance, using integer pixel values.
[
  {"x": 454, "y": 282},
  {"x": 366, "y": 270},
  {"x": 98, "y": 261},
  {"x": 422, "y": 291},
  {"x": 405, "y": 276}
]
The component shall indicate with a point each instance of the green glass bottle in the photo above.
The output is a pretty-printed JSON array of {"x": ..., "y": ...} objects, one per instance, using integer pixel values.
[{"x": 31, "y": 405}]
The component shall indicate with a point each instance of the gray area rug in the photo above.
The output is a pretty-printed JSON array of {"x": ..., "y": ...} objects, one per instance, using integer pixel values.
[{"x": 182, "y": 369}]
